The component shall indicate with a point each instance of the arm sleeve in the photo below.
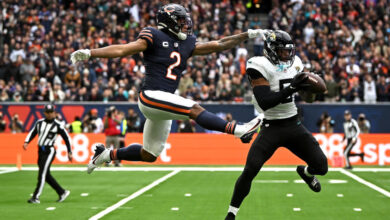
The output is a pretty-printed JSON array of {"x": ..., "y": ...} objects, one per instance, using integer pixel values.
[
  {"x": 268, "y": 99},
  {"x": 64, "y": 134},
  {"x": 146, "y": 34},
  {"x": 32, "y": 133},
  {"x": 356, "y": 126},
  {"x": 263, "y": 94}
]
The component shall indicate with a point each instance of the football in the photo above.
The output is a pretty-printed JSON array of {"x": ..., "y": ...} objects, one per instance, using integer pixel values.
[{"x": 314, "y": 83}]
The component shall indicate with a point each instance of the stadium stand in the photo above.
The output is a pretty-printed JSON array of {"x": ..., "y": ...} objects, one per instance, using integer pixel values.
[{"x": 347, "y": 42}]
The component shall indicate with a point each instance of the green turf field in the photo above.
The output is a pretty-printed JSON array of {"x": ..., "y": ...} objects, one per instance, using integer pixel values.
[{"x": 184, "y": 194}]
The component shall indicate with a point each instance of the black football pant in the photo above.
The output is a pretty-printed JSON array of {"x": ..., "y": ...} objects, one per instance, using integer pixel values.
[
  {"x": 347, "y": 152},
  {"x": 45, "y": 158},
  {"x": 289, "y": 133}
]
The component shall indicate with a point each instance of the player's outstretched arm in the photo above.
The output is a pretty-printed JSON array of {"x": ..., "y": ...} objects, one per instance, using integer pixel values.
[
  {"x": 226, "y": 42},
  {"x": 112, "y": 51}
]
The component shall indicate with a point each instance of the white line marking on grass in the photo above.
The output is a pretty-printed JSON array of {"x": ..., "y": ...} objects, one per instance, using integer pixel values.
[
  {"x": 362, "y": 181},
  {"x": 50, "y": 208},
  {"x": 187, "y": 194},
  {"x": 297, "y": 209},
  {"x": 357, "y": 209},
  {"x": 340, "y": 195},
  {"x": 162, "y": 168},
  {"x": 175, "y": 208},
  {"x": 271, "y": 181},
  {"x": 84, "y": 194},
  {"x": 337, "y": 181},
  {"x": 134, "y": 195},
  {"x": 299, "y": 181},
  {"x": 289, "y": 195},
  {"x": 8, "y": 170}
]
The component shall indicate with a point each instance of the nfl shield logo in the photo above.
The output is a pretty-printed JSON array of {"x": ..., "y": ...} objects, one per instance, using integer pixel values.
[{"x": 176, "y": 44}]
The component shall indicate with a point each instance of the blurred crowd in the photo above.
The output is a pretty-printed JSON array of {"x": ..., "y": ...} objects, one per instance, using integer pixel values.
[
  {"x": 345, "y": 41},
  {"x": 38, "y": 37}
]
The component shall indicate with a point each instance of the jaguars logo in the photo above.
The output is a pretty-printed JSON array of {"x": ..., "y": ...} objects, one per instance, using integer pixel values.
[
  {"x": 297, "y": 68},
  {"x": 272, "y": 36}
]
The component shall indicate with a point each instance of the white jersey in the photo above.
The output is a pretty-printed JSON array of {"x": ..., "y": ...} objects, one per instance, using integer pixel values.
[{"x": 279, "y": 77}]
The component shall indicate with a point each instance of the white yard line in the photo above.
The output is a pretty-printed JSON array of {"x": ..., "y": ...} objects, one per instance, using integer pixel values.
[
  {"x": 362, "y": 181},
  {"x": 8, "y": 170},
  {"x": 134, "y": 195},
  {"x": 172, "y": 168},
  {"x": 162, "y": 168}
]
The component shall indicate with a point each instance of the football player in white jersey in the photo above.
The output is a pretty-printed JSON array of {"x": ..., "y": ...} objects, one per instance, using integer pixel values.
[{"x": 275, "y": 77}]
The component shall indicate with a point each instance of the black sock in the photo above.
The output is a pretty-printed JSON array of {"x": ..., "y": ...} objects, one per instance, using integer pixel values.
[
  {"x": 210, "y": 121},
  {"x": 131, "y": 153}
]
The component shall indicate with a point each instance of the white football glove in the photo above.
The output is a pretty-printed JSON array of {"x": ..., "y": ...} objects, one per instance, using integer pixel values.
[
  {"x": 253, "y": 33},
  {"x": 80, "y": 55}
]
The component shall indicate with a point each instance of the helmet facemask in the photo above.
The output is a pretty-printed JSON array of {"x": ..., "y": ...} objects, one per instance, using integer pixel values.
[
  {"x": 279, "y": 49},
  {"x": 174, "y": 18}
]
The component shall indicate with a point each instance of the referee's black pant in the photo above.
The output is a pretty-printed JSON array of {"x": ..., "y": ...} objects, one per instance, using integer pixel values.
[
  {"x": 289, "y": 133},
  {"x": 45, "y": 158}
]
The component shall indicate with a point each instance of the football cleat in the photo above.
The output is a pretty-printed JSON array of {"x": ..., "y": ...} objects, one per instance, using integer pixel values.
[
  {"x": 34, "y": 200},
  {"x": 312, "y": 182},
  {"x": 246, "y": 131},
  {"x": 101, "y": 155},
  {"x": 63, "y": 196}
]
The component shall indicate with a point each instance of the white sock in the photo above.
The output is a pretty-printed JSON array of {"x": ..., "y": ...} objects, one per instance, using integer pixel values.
[
  {"x": 233, "y": 210},
  {"x": 239, "y": 130},
  {"x": 307, "y": 172}
]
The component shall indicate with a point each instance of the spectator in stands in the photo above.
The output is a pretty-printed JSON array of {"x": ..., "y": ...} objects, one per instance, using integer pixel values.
[
  {"x": 16, "y": 125},
  {"x": 325, "y": 124},
  {"x": 3, "y": 123},
  {"x": 111, "y": 130},
  {"x": 364, "y": 123},
  {"x": 369, "y": 89},
  {"x": 332, "y": 94},
  {"x": 352, "y": 38},
  {"x": 96, "y": 121},
  {"x": 76, "y": 126},
  {"x": 133, "y": 121},
  {"x": 382, "y": 89}
]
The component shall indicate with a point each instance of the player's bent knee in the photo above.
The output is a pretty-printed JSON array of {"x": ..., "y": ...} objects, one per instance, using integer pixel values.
[{"x": 195, "y": 111}]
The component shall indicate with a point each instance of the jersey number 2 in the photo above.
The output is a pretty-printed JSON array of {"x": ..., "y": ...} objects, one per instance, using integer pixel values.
[{"x": 176, "y": 55}]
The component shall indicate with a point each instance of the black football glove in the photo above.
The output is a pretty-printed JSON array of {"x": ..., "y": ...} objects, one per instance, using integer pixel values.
[{"x": 298, "y": 82}]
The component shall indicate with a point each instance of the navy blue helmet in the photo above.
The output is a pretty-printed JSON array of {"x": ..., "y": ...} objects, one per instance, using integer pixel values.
[{"x": 172, "y": 18}]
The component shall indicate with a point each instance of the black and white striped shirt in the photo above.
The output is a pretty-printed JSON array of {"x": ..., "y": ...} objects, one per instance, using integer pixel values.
[
  {"x": 351, "y": 129},
  {"x": 47, "y": 133}
]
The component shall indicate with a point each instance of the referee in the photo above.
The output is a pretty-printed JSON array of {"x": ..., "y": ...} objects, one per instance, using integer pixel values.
[
  {"x": 47, "y": 130},
  {"x": 351, "y": 133}
]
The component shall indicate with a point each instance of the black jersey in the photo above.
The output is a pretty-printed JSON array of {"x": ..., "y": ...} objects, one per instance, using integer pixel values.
[{"x": 165, "y": 59}]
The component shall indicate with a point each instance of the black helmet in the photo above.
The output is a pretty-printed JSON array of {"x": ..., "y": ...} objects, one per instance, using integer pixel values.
[
  {"x": 172, "y": 18},
  {"x": 279, "y": 48}
]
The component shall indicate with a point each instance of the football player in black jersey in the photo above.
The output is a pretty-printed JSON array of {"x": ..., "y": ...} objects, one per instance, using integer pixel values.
[{"x": 166, "y": 50}]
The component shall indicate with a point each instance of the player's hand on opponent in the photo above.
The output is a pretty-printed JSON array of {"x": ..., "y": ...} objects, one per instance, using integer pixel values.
[
  {"x": 298, "y": 81},
  {"x": 80, "y": 55},
  {"x": 253, "y": 33}
]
